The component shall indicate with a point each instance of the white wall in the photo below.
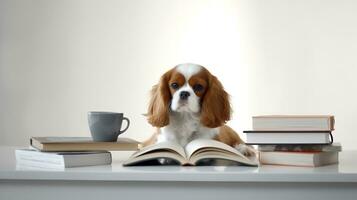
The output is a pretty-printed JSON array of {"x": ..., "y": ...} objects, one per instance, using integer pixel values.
[{"x": 60, "y": 59}]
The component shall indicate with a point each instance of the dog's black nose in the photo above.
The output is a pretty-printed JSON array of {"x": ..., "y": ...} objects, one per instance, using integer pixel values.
[{"x": 184, "y": 95}]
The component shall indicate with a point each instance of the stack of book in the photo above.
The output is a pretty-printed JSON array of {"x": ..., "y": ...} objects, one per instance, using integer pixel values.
[
  {"x": 298, "y": 140},
  {"x": 65, "y": 152}
]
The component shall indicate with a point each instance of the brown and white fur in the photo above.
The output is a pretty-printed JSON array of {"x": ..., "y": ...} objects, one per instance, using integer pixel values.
[{"x": 190, "y": 103}]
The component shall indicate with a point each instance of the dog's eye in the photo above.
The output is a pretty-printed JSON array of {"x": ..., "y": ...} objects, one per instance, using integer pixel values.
[
  {"x": 197, "y": 87},
  {"x": 174, "y": 86}
]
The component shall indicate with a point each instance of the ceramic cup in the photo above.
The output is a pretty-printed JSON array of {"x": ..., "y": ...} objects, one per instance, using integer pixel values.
[{"x": 106, "y": 126}]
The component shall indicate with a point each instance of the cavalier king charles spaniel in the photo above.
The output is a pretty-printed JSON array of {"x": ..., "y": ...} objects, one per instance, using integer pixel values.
[{"x": 190, "y": 103}]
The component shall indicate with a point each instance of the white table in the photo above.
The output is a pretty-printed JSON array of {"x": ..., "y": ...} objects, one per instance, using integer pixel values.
[{"x": 117, "y": 182}]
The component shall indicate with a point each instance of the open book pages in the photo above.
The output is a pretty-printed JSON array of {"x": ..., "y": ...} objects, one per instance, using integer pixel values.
[{"x": 192, "y": 154}]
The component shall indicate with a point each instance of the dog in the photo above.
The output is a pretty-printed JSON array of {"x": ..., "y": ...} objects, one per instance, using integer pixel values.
[{"x": 190, "y": 103}]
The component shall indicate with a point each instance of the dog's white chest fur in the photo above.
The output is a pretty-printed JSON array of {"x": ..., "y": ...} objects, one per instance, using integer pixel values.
[{"x": 185, "y": 127}]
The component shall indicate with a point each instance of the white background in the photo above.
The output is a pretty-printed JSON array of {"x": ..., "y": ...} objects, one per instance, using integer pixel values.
[{"x": 60, "y": 59}]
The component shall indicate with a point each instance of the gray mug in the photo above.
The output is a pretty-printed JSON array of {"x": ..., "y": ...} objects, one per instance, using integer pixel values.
[{"x": 106, "y": 126}]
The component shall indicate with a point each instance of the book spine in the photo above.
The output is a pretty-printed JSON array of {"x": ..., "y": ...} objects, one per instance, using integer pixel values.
[{"x": 87, "y": 160}]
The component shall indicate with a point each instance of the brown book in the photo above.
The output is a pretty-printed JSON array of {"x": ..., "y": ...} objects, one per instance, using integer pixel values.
[
  {"x": 82, "y": 144},
  {"x": 294, "y": 122}
]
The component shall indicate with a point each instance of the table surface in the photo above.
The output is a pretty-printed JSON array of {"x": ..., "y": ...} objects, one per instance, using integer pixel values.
[{"x": 345, "y": 171}]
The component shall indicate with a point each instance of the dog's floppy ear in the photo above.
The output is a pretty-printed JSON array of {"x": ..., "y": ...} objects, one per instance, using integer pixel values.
[
  {"x": 215, "y": 106},
  {"x": 158, "y": 110}
]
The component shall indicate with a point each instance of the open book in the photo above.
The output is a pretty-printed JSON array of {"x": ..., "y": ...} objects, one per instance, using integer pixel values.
[{"x": 197, "y": 152}]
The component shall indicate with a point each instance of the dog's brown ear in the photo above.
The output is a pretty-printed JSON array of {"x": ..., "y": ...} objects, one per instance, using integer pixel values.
[
  {"x": 215, "y": 106},
  {"x": 158, "y": 110}
]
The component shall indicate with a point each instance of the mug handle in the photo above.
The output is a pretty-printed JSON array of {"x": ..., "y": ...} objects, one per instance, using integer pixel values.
[{"x": 127, "y": 125}]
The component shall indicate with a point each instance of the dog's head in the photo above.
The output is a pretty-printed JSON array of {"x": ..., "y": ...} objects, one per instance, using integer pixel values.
[{"x": 189, "y": 88}]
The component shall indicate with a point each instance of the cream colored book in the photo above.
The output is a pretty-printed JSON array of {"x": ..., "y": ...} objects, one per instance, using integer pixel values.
[
  {"x": 82, "y": 144},
  {"x": 197, "y": 152}
]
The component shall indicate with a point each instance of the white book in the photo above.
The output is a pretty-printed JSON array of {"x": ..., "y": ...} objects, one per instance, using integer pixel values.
[
  {"x": 297, "y": 137},
  {"x": 58, "y": 160},
  {"x": 306, "y": 159},
  {"x": 294, "y": 122}
]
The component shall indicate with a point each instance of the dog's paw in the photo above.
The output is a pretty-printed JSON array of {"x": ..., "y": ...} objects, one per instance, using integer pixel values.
[{"x": 246, "y": 150}]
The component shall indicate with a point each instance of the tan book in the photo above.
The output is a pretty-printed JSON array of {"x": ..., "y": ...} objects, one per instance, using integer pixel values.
[
  {"x": 197, "y": 152},
  {"x": 294, "y": 122},
  {"x": 82, "y": 144}
]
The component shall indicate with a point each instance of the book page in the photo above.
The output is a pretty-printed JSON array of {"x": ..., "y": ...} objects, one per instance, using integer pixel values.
[
  {"x": 205, "y": 148},
  {"x": 213, "y": 154},
  {"x": 198, "y": 144},
  {"x": 161, "y": 147},
  {"x": 153, "y": 156}
]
